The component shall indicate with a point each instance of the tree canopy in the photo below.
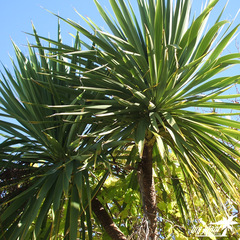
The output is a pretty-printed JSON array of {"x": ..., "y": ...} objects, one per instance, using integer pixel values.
[{"x": 103, "y": 139}]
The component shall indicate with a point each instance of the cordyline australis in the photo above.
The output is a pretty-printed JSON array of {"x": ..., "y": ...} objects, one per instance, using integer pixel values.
[{"x": 122, "y": 106}]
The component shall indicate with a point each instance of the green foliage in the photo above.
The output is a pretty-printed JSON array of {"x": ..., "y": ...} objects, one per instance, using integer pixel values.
[
  {"x": 83, "y": 114},
  {"x": 45, "y": 165}
]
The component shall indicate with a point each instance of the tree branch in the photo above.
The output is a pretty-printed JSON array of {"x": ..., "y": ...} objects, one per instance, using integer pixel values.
[{"x": 106, "y": 221}]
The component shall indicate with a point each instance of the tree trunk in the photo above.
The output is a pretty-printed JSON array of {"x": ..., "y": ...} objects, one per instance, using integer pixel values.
[
  {"x": 106, "y": 221},
  {"x": 147, "y": 188}
]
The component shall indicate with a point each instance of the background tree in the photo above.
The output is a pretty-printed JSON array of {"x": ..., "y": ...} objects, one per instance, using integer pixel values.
[
  {"x": 46, "y": 180},
  {"x": 123, "y": 105}
]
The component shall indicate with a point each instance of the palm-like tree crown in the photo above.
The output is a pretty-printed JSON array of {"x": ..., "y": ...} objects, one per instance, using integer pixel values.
[
  {"x": 133, "y": 89},
  {"x": 145, "y": 81}
]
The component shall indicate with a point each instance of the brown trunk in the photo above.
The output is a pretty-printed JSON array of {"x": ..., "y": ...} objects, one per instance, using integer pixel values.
[
  {"x": 147, "y": 188},
  {"x": 106, "y": 221}
]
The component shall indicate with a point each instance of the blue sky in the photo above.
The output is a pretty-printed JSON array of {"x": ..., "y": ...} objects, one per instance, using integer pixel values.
[{"x": 16, "y": 17}]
